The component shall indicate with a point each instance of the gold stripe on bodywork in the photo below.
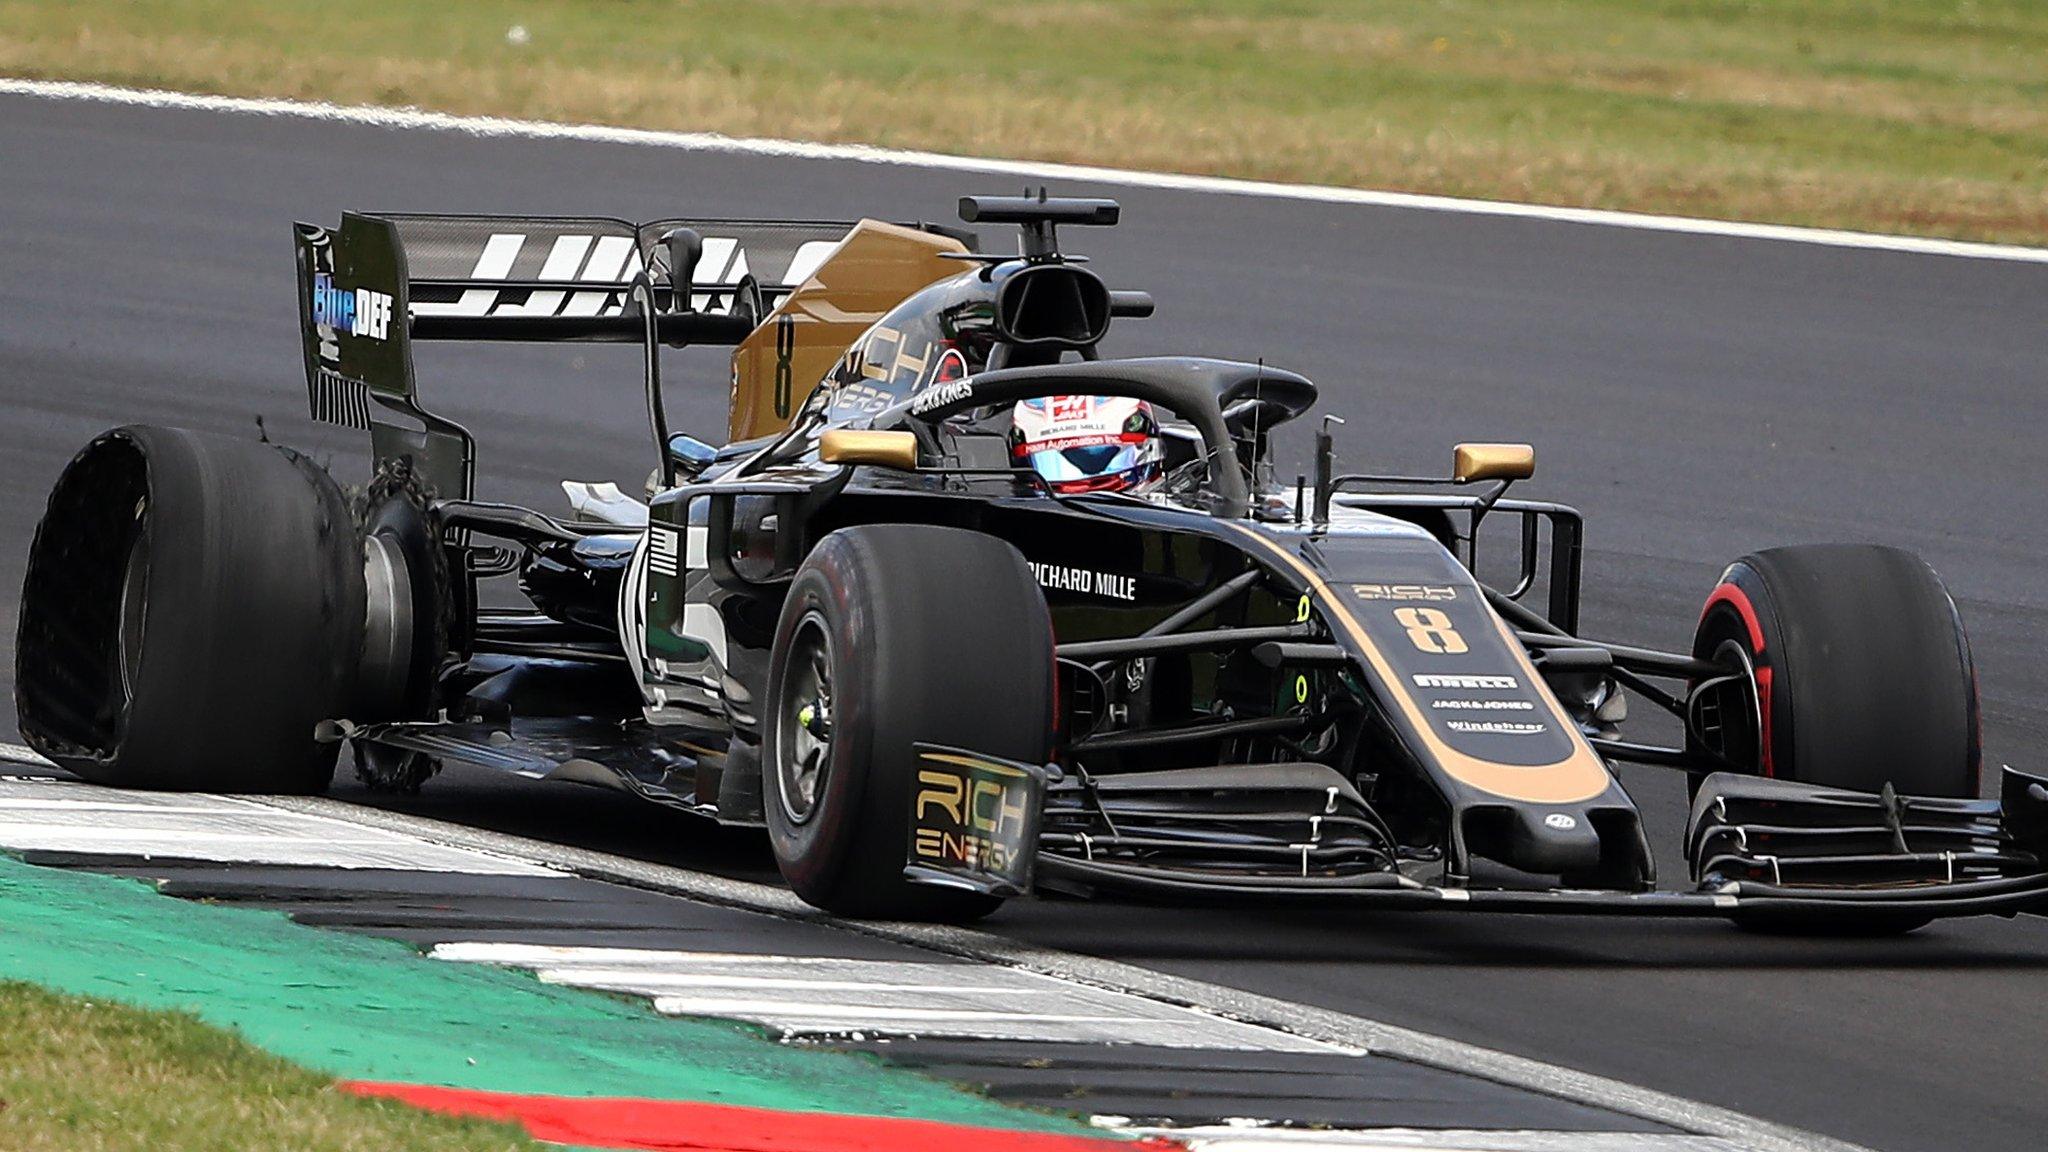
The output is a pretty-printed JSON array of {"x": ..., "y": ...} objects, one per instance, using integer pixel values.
[{"x": 1579, "y": 776}]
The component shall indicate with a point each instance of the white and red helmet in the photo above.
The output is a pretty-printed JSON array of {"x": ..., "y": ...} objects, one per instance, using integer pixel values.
[{"x": 1088, "y": 443}]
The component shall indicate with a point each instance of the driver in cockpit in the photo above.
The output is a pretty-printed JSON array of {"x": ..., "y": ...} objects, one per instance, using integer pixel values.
[{"x": 1089, "y": 443}]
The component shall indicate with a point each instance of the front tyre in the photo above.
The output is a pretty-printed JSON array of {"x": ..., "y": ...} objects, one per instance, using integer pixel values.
[
  {"x": 894, "y": 635},
  {"x": 1861, "y": 670},
  {"x": 1858, "y": 675},
  {"x": 193, "y": 610}
]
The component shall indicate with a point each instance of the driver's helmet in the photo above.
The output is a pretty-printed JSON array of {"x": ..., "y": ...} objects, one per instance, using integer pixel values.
[{"x": 1088, "y": 443}]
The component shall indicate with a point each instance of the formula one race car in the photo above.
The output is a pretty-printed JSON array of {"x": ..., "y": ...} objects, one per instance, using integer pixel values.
[{"x": 960, "y": 609}]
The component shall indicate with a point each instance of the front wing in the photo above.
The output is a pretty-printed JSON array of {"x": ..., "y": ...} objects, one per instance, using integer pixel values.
[{"x": 1761, "y": 850}]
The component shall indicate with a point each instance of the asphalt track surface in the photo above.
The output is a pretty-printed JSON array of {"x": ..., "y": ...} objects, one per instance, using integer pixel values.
[{"x": 1697, "y": 397}]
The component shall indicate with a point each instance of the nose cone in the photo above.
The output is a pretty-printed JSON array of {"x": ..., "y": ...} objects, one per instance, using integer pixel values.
[{"x": 1552, "y": 842}]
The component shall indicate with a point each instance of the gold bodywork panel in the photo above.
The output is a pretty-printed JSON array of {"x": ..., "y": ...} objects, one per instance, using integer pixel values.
[{"x": 874, "y": 269}]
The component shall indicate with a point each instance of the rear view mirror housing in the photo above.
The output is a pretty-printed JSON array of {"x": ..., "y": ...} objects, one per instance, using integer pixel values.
[
  {"x": 691, "y": 455},
  {"x": 897, "y": 450},
  {"x": 1474, "y": 462}
]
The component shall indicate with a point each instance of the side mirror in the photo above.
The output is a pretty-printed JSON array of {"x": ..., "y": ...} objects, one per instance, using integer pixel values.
[
  {"x": 896, "y": 450},
  {"x": 690, "y": 454},
  {"x": 1470, "y": 462}
]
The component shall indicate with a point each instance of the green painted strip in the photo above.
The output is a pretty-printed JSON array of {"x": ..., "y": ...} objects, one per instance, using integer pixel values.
[{"x": 362, "y": 1008}]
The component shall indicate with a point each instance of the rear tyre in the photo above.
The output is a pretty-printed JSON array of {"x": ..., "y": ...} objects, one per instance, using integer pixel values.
[
  {"x": 193, "y": 610},
  {"x": 893, "y": 635},
  {"x": 1861, "y": 674}
]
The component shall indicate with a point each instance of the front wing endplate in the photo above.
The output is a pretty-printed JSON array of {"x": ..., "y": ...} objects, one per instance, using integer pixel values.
[{"x": 974, "y": 821}]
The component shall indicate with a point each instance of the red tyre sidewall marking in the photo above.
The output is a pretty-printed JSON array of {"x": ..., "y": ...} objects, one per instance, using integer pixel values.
[{"x": 1738, "y": 602}]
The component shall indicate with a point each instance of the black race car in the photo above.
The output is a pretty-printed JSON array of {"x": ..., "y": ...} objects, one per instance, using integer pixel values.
[{"x": 941, "y": 677}]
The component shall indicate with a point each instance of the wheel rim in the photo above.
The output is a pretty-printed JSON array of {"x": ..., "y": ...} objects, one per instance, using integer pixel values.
[
  {"x": 1728, "y": 716},
  {"x": 134, "y": 611},
  {"x": 803, "y": 722},
  {"x": 388, "y": 641}
]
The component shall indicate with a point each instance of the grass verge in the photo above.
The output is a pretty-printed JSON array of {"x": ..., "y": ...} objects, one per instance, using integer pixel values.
[
  {"x": 1921, "y": 116},
  {"x": 84, "y": 1075}
]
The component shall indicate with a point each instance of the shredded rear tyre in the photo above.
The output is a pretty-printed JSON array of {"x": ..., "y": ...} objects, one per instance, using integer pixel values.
[{"x": 193, "y": 609}]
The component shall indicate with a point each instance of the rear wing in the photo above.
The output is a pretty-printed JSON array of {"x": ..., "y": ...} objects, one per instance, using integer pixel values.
[
  {"x": 565, "y": 267},
  {"x": 370, "y": 287}
]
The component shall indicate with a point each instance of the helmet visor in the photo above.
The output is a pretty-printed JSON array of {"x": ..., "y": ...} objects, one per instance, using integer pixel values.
[{"x": 1063, "y": 461}]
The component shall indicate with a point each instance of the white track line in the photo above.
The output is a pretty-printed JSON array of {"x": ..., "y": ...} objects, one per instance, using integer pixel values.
[
  {"x": 800, "y": 996},
  {"x": 1338, "y": 1028},
  {"x": 22, "y": 754},
  {"x": 62, "y": 816},
  {"x": 1028, "y": 169},
  {"x": 1261, "y": 1138}
]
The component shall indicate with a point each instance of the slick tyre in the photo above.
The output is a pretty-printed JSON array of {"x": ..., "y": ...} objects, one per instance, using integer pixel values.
[
  {"x": 893, "y": 635},
  {"x": 193, "y": 610},
  {"x": 1862, "y": 671},
  {"x": 1861, "y": 675}
]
